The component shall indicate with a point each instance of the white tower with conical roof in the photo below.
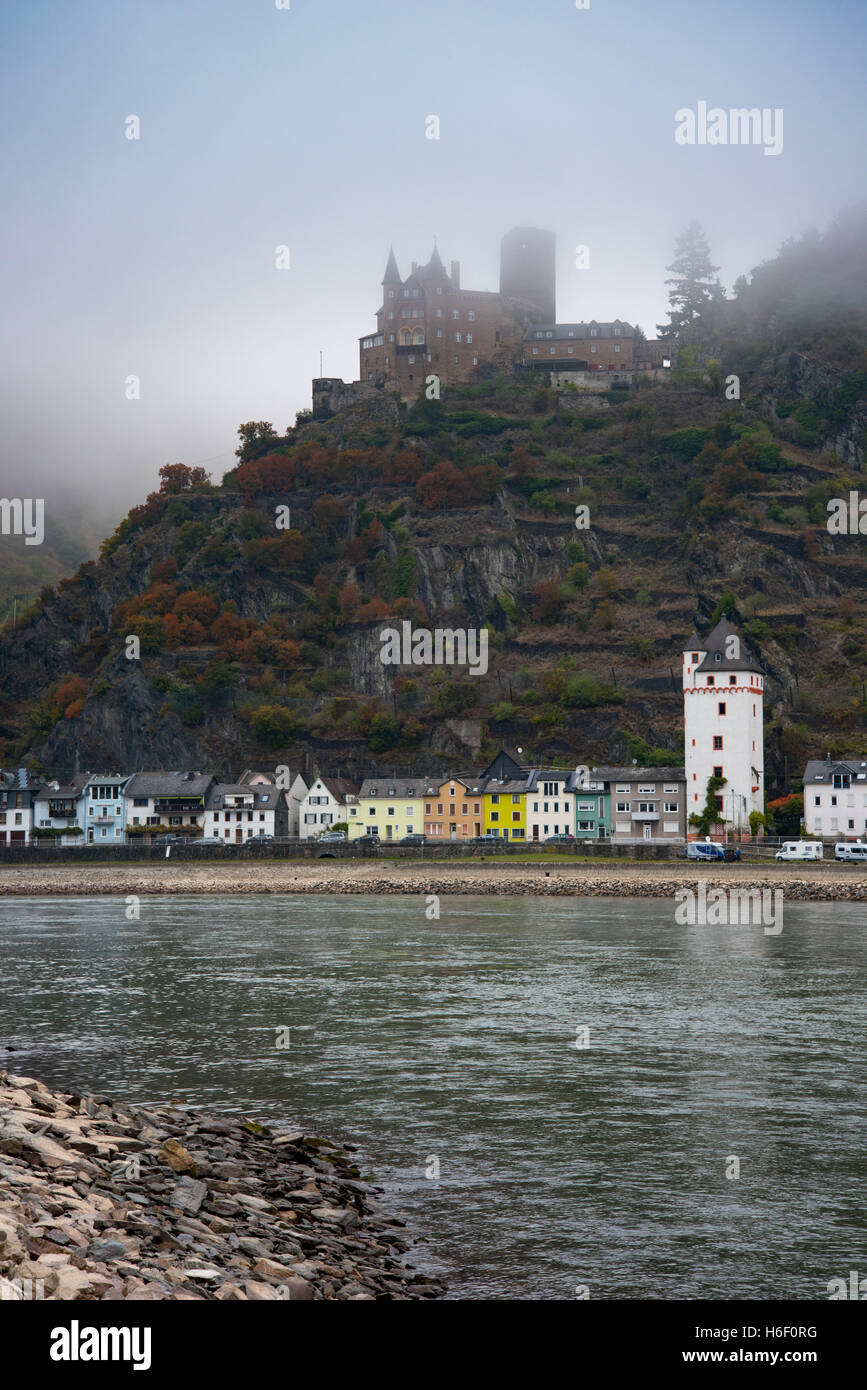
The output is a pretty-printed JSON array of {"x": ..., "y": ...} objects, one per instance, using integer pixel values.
[{"x": 723, "y": 689}]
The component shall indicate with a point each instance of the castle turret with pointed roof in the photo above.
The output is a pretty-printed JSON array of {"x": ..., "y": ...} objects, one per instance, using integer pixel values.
[{"x": 723, "y": 691}]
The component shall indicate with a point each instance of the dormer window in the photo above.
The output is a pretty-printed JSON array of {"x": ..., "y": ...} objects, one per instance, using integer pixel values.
[{"x": 717, "y": 656}]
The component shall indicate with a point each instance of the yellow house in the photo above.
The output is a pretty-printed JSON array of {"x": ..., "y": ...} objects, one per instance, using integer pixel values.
[
  {"x": 505, "y": 809},
  {"x": 389, "y": 807}
]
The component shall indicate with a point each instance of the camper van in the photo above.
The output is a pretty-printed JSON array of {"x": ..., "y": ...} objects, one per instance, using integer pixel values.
[
  {"x": 800, "y": 849},
  {"x": 854, "y": 850}
]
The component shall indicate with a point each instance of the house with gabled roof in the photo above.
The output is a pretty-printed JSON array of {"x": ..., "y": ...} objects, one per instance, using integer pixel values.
[
  {"x": 327, "y": 803},
  {"x": 390, "y": 807},
  {"x": 236, "y": 811},
  {"x": 835, "y": 798},
  {"x": 167, "y": 801}
]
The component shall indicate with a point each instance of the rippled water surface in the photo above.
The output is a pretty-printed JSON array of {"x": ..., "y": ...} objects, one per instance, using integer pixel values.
[{"x": 559, "y": 1166}]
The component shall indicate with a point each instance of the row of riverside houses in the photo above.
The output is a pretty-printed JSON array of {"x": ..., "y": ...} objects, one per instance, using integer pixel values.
[
  {"x": 513, "y": 801},
  {"x": 508, "y": 799}
]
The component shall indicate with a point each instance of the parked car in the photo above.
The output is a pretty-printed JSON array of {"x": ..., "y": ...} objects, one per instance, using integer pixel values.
[
  {"x": 560, "y": 840},
  {"x": 853, "y": 850},
  {"x": 414, "y": 840},
  {"x": 488, "y": 839},
  {"x": 171, "y": 840},
  {"x": 731, "y": 854},
  {"x": 211, "y": 840},
  {"x": 800, "y": 849},
  {"x": 369, "y": 839},
  {"x": 259, "y": 839},
  {"x": 335, "y": 837}
]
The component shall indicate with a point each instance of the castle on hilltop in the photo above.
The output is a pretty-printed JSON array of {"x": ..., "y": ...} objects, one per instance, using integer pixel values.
[{"x": 428, "y": 325}]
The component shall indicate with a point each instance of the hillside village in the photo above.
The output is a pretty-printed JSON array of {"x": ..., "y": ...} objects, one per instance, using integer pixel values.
[{"x": 719, "y": 793}]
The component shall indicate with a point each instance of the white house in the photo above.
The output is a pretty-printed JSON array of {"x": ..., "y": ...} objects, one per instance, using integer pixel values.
[
  {"x": 550, "y": 803},
  {"x": 238, "y": 810},
  {"x": 174, "y": 801},
  {"x": 723, "y": 690},
  {"x": 294, "y": 789},
  {"x": 325, "y": 804},
  {"x": 835, "y": 798},
  {"x": 59, "y": 807}
]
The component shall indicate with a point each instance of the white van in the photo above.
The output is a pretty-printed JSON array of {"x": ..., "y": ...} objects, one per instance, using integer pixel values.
[
  {"x": 800, "y": 849},
  {"x": 851, "y": 849}
]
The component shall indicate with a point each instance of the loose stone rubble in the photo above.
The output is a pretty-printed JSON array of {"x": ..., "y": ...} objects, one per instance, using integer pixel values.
[
  {"x": 825, "y": 881},
  {"x": 103, "y": 1201}
]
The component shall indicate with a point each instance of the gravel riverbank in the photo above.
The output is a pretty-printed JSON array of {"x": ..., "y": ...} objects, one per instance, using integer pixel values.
[
  {"x": 820, "y": 882},
  {"x": 104, "y": 1201}
]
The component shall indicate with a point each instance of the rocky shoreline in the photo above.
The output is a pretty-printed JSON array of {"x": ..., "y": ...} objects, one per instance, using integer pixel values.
[
  {"x": 822, "y": 882},
  {"x": 100, "y": 1201}
]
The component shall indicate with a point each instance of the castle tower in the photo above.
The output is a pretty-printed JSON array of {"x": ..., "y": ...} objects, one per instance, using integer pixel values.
[
  {"x": 528, "y": 270},
  {"x": 723, "y": 689}
]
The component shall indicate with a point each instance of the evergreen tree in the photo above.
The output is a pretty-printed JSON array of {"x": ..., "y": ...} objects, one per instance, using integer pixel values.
[{"x": 693, "y": 280}]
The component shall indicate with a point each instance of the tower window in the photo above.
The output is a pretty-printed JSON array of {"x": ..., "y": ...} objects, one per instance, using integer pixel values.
[
  {"x": 733, "y": 680},
  {"x": 717, "y": 743},
  {"x": 717, "y": 772},
  {"x": 721, "y": 707}
]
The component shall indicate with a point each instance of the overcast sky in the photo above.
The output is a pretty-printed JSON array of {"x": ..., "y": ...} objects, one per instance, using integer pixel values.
[{"x": 306, "y": 127}]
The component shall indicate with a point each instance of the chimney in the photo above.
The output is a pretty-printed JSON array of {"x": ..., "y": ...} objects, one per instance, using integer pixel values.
[{"x": 456, "y": 275}]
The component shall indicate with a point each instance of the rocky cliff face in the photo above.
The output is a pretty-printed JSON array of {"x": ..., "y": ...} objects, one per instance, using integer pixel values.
[{"x": 690, "y": 501}]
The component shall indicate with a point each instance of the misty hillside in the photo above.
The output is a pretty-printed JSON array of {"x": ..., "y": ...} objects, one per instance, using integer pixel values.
[{"x": 262, "y": 645}]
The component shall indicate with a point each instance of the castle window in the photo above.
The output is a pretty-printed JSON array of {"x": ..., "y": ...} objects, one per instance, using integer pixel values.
[
  {"x": 457, "y": 361},
  {"x": 439, "y": 333},
  {"x": 570, "y": 349},
  {"x": 549, "y": 335},
  {"x": 406, "y": 294},
  {"x": 717, "y": 743},
  {"x": 411, "y": 359},
  {"x": 594, "y": 332},
  {"x": 469, "y": 337},
  {"x": 475, "y": 361},
  {"x": 710, "y": 680},
  {"x": 415, "y": 294},
  {"x": 593, "y": 349},
  {"x": 419, "y": 335},
  {"x": 456, "y": 313},
  {"x": 471, "y": 316},
  {"x": 535, "y": 352},
  {"x": 571, "y": 333},
  {"x": 553, "y": 351},
  {"x": 457, "y": 337},
  {"x": 391, "y": 337},
  {"x": 695, "y": 656},
  {"x": 439, "y": 289},
  {"x": 616, "y": 347},
  {"x": 540, "y": 335},
  {"x": 439, "y": 313},
  {"x": 617, "y": 332},
  {"x": 391, "y": 294},
  {"x": 733, "y": 680},
  {"x": 406, "y": 337},
  {"x": 721, "y": 707},
  {"x": 717, "y": 772}
]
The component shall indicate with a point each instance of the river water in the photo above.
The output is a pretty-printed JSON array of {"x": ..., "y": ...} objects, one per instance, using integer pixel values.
[{"x": 561, "y": 1167}]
